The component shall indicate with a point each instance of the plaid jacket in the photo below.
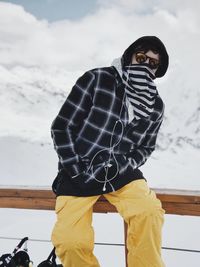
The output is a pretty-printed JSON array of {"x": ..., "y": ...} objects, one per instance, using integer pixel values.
[{"x": 82, "y": 134}]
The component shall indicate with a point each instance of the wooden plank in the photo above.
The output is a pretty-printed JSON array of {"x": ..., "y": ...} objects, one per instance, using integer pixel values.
[
  {"x": 186, "y": 198},
  {"x": 181, "y": 208},
  {"x": 174, "y": 201},
  {"x": 27, "y": 203},
  {"x": 26, "y": 192},
  {"x": 102, "y": 206}
]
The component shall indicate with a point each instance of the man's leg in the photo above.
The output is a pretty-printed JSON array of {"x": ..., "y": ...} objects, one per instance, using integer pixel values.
[
  {"x": 143, "y": 213},
  {"x": 73, "y": 234}
]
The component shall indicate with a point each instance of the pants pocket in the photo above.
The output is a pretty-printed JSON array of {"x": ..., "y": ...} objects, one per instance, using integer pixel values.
[{"x": 61, "y": 202}]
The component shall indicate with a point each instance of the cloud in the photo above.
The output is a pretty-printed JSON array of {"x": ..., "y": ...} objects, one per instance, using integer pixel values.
[{"x": 97, "y": 38}]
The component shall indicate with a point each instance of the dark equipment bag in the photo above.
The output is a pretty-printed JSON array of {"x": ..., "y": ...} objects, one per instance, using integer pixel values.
[{"x": 18, "y": 258}]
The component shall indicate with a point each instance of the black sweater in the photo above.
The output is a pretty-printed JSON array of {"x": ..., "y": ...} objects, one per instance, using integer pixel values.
[{"x": 99, "y": 151}]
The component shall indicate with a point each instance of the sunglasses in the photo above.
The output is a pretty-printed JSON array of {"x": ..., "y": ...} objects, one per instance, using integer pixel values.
[{"x": 142, "y": 57}]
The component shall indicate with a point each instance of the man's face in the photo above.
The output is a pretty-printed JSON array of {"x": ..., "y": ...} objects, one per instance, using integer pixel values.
[{"x": 151, "y": 58}]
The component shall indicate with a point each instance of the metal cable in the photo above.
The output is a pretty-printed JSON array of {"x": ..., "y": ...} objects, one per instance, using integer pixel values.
[{"x": 102, "y": 244}]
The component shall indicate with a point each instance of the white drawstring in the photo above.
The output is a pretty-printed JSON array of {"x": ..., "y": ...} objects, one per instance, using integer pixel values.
[
  {"x": 110, "y": 150},
  {"x": 108, "y": 163}
]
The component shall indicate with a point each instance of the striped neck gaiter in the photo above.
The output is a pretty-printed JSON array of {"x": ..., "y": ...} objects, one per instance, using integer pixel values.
[{"x": 140, "y": 89}]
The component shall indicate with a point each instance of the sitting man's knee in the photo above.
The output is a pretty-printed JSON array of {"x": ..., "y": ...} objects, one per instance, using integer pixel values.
[
  {"x": 153, "y": 204},
  {"x": 71, "y": 240}
]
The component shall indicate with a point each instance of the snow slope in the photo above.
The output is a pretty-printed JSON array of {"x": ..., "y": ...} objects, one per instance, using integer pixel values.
[{"x": 30, "y": 98}]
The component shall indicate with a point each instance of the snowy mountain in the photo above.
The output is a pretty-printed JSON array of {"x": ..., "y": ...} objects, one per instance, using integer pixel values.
[
  {"x": 182, "y": 114},
  {"x": 31, "y": 97}
]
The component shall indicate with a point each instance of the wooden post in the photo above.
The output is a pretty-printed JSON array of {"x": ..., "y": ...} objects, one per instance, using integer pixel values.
[{"x": 125, "y": 242}]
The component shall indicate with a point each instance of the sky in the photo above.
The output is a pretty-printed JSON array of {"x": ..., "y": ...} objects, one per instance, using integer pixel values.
[{"x": 54, "y": 10}]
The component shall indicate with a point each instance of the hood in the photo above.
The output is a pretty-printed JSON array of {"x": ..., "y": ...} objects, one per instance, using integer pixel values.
[{"x": 152, "y": 41}]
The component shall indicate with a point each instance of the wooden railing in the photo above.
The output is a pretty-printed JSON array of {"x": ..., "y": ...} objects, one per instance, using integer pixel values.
[{"x": 181, "y": 202}]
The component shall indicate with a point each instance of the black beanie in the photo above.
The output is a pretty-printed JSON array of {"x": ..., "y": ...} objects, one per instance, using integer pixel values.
[{"x": 150, "y": 41}]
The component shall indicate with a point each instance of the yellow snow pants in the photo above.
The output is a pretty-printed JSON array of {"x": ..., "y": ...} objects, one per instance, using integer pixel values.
[{"x": 73, "y": 234}]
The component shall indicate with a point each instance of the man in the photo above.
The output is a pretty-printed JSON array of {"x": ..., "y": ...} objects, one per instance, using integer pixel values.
[{"x": 104, "y": 132}]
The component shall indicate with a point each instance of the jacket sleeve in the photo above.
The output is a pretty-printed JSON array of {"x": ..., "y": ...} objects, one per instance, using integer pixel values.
[
  {"x": 72, "y": 113},
  {"x": 138, "y": 156}
]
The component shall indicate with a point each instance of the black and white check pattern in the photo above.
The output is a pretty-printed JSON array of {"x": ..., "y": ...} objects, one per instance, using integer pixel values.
[{"x": 84, "y": 127}]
